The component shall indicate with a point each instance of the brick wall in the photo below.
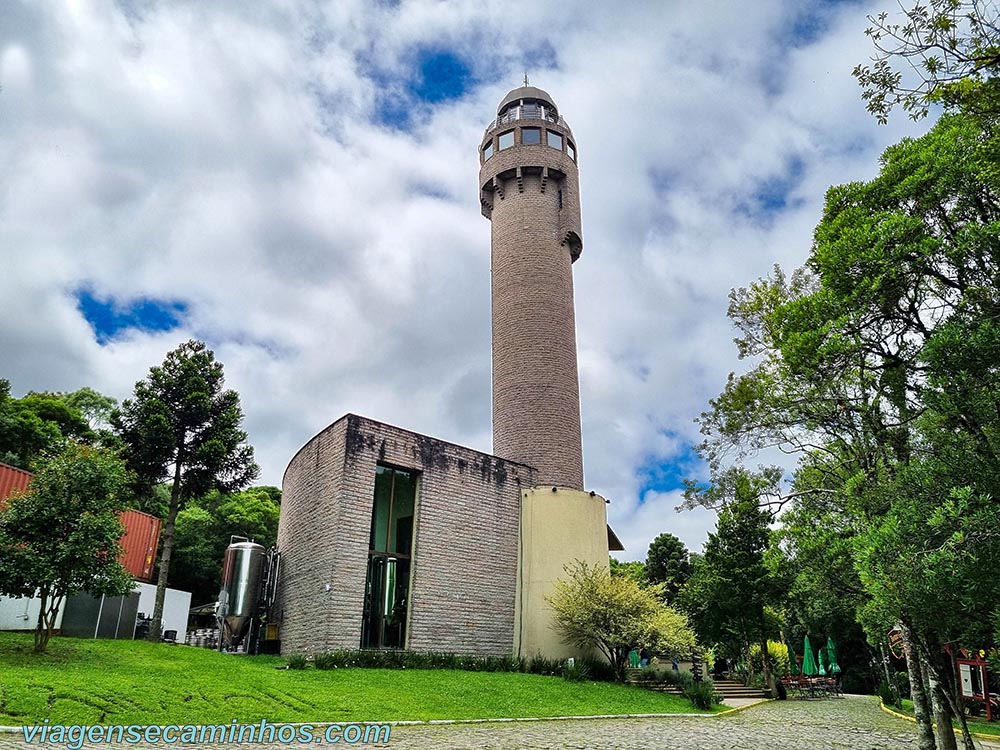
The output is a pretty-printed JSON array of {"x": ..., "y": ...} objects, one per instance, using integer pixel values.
[
  {"x": 531, "y": 196},
  {"x": 319, "y": 578},
  {"x": 464, "y": 548}
]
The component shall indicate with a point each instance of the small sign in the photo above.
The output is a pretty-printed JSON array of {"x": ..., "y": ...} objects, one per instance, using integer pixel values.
[
  {"x": 965, "y": 672},
  {"x": 896, "y": 643}
]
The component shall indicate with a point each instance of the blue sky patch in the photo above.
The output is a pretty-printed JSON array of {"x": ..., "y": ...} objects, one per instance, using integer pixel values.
[
  {"x": 442, "y": 76},
  {"x": 666, "y": 474},
  {"x": 812, "y": 21},
  {"x": 109, "y": 317},
  {"x": 434, "y": 76},
  {"x": 773, "y": 195}
]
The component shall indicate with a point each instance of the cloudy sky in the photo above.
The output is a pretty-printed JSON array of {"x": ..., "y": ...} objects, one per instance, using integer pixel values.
[{"x": 294, "y": 182}]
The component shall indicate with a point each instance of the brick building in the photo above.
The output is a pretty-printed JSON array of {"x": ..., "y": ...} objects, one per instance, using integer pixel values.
[{"x": 391, "y": 539}]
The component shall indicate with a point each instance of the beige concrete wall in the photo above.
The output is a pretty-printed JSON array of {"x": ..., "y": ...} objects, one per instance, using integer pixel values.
[{"x": 557, "y": 528}]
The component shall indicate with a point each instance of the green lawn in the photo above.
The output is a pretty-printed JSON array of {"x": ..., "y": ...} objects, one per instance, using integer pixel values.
[
  {"x": 979, "y": 726},
  {"x": 132, "y": 682}
]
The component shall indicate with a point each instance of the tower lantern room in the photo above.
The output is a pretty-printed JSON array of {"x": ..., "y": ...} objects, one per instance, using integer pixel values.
[{"x": 529, "y": 190}]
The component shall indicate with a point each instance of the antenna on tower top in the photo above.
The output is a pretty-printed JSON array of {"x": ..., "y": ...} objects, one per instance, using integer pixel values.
[{"x": 525, "y": 78}]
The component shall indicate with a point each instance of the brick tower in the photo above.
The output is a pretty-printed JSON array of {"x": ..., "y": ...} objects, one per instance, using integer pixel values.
[{"x": 529, "y": 188}]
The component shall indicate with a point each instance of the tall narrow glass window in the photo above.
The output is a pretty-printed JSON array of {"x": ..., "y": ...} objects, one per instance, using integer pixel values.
[
  {"x": 531, "y": 136},
  {"x": 554, "y": 139},
  {"x": 571, "y": 150},
  {"x": 387, "y": 584},
  {"x": 487, "y": 150},
  {"x": 506, "y": 140}
]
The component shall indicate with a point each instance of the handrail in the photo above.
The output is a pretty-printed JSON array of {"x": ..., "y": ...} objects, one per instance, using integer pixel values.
[{"x": 526, "y": 112}]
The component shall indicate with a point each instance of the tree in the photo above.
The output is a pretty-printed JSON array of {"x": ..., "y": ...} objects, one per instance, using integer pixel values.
[
  {"x": 731, "y": 589},
  {"x": 613, "y": 614},
  {"x": 950, "y": 50},
  {"x": 668, "y": 563},
  {"x": 22, "y": 435},
  {"x": 32, "y": 424},
  {"x": 929, "y": 565},
  {"x": 182, "y": 425},
  {"x": 630, "y": 569},
  {"x": 876, "y": 364},
  {"x": 94, "y": 407},
  {"x": 60, "y": 536}
]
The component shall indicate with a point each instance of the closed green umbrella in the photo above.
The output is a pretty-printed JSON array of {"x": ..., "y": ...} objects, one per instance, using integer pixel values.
[
  {"x": 832, "y": 657},
  {"x": 809, "y": 667},
  {"x": 793, "y": 667},
  {"x": 819, "y": 658}
]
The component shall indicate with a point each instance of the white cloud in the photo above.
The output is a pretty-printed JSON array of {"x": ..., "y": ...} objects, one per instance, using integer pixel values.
[{"x": 229, "y": 155}]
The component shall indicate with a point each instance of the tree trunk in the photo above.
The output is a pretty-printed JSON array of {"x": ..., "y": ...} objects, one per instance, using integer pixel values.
[
  {"x": 56, "y": 602},
  {"x": 921, "y": 709},
  {"x": 942, "y": 711},
  {"x": 41, "y": 630},
  {"x": 889, "y": 680},
  {"x": 619, "y": 662},
  {"x": 765, "y": 660},
  {"x": 943, "y": 670},
  {"x": 166, "y": 550}
]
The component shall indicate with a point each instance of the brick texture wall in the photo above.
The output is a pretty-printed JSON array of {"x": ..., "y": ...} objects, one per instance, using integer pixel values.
[
  {"x": 464, "y": 548},
  {"x": 530, "y": 193}
]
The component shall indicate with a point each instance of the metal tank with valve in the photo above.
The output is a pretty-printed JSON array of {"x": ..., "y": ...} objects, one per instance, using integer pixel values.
[{"x": 248, "y": 576}]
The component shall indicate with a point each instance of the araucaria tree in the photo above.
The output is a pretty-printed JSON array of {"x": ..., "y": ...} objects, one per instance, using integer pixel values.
[
  {"x": 181, "y": 426},
  {"x": 732, "y": 585},
  {"x": 668, "y": 562},
  {"x": 60, "y": 537},
  {"x": 614, "y": 615}
]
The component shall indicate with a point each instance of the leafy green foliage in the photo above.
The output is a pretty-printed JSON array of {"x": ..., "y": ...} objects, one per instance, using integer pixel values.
[
  {"x": 614, "y": 615},
  {"x": 702, "y": 695},
  {"x": 182, "y": 425},
  {"x": 94, "y": 407},
  {"x": 668, "y": 563},
  {"x": 951, "y": 46},
  {"x": 876, "y": 364},
  {"x": 60, "y": 537},
  {"x": 35, "y": 423},
  {"x": 728, "y": 595},
  {"x": 933, "y": 561},
  {"x": 777, "y": 653},
  {"x": 631, "y": 569}
]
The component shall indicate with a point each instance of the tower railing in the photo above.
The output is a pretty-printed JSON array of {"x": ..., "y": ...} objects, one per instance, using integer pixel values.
[{"x": 526, "y": 112}]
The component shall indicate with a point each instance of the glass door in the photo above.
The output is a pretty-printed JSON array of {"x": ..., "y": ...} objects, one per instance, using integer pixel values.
[{"x": 387, "y": 584}]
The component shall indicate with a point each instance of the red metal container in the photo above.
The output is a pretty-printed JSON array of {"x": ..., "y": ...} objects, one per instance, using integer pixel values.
[
  {"x": 140, "y": 540},
  {"x": 12, "y": 479}
]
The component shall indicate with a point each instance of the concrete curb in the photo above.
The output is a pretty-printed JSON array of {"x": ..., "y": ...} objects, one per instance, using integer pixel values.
[
  {"x": 744, "y": 708},
  {"x": 978, "y": 735},
  {"x": 514, "y": 720}
]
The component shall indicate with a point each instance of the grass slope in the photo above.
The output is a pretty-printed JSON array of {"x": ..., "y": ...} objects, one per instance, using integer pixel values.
[
  {"x": 132, "y": 682},
  {"x": 979, "y": 726}
]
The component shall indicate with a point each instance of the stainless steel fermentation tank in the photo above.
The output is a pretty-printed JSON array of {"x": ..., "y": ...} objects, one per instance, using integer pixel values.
[{"x": 240, "y": 596}]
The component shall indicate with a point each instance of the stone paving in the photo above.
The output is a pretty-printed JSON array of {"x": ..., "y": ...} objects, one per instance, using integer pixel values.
[
  {"x": 855, "y": 723},
  {"x": 852, "y": 723}
]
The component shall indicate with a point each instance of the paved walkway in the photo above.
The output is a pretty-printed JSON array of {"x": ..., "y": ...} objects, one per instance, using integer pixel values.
[
  {"x": 841, "y": 724},
  {"x": 853, "y": 723}
]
